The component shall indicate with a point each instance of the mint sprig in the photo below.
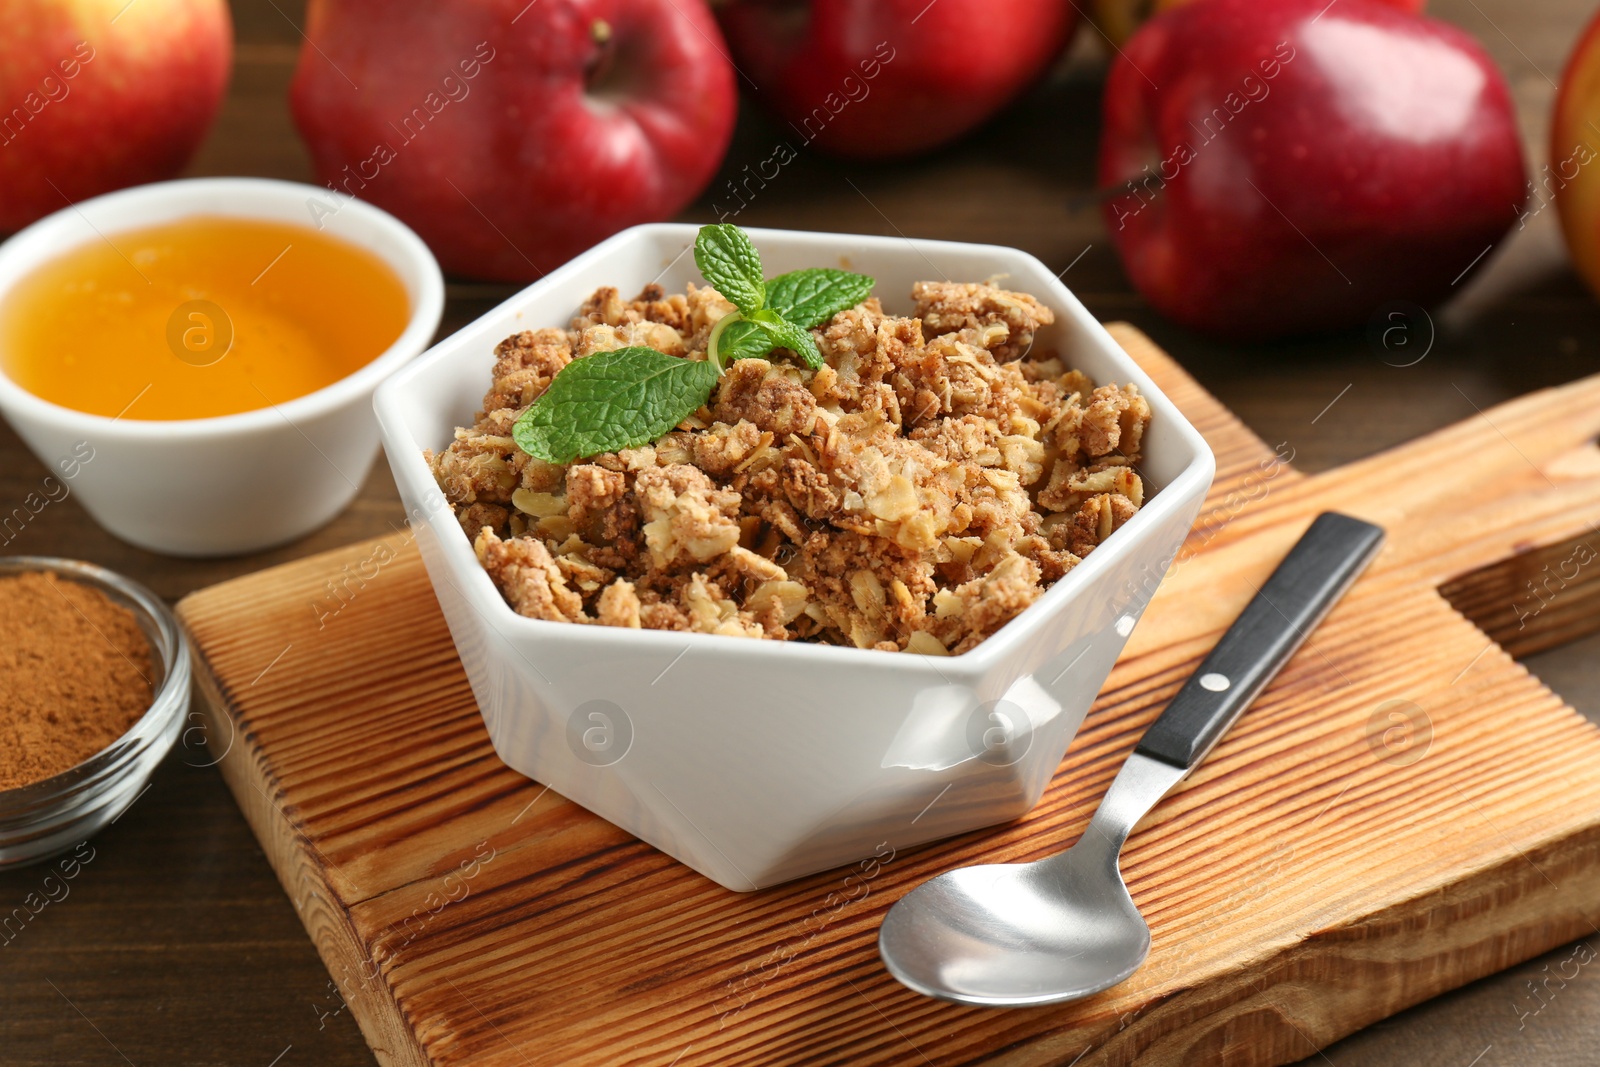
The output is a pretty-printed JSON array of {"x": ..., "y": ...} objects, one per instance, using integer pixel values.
[
  {"x": 742, "y": 339},
  {"x": 772, "y": 314},
  {"x": 630, "y": 396},
  {"x": 813, "y": 296},
  {"x": 610, "y": 400},
  {"x": 795, "y": 338},
  {"x": 732, "y": 265},
  {"x": 805, "y": 298}
]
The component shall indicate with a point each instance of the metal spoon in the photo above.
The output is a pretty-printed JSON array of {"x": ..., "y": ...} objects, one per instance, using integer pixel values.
[{"x": 1057, "y": 929}]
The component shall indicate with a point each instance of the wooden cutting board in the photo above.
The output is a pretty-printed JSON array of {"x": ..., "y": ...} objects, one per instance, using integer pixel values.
[{"x": 1404, "y": 810}]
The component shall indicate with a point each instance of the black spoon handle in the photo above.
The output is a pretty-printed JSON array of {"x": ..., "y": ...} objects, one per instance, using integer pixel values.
[{"x": 1306, "y": 585}]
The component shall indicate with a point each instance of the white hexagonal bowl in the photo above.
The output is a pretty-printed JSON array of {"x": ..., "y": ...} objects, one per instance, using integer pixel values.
[{"x": 755, "y": 762}]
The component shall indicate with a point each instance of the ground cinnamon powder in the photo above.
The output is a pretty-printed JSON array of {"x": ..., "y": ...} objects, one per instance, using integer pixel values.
[{"x": 75, "y": 674}]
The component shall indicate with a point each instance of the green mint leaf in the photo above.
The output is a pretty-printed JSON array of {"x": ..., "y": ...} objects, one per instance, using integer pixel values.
[
  {"x": 812, "y": 297},
  {"x": 611, "y": 400},
  {"x": 744, "y": 340},
  {"x": 797, "y": 339},
  {"x": 732, "y": 265}
]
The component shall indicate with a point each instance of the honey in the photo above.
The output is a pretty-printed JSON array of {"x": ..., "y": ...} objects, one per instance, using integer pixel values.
[{"x": 200, "y": 317}]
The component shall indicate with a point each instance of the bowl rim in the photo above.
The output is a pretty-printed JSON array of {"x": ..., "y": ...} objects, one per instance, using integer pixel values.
[
  {"x": 479, "y": 591},
  {"x": 41, "y": 241},
  {"x": 105, "y": 766}
]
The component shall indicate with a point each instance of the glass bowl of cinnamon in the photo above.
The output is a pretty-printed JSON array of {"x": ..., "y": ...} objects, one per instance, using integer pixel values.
[{"x": 94, "y": 687}]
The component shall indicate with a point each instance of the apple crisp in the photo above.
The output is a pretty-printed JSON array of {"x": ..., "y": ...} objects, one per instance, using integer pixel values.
[{"x": 914, "y": 493}]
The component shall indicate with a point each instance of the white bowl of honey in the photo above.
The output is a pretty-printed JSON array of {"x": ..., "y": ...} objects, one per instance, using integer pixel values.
[{"x": 199, "y": 356}]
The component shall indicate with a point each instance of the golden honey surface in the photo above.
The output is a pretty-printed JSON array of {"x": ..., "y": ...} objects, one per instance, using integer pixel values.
[{"x": 200, "y": 317}]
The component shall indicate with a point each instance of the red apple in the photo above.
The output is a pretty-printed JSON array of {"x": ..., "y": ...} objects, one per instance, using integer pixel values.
[
  {"x": 874, "y": 79},
  {"x": 513, "y": 135},
  {"x": 1117, "y": 19},
  {"x": 99, "y": 94},
  {"x": 1572, "y": 177},
  {"x": 1294, "y": 165}
]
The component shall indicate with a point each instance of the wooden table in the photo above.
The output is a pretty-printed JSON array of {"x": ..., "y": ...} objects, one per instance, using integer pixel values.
[{"x": 176, "y": 945}]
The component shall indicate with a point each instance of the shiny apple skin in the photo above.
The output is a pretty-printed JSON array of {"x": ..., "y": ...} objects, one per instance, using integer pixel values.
[
  {"x": 1117, "y": 19},
  {"x": 583, "y": 117},
  {"x": 143, "y": 93},
  {"x": 1378, "y": 164},
  {"x": 1572, "y": 177},
  {"x": 892, "y": 78}
]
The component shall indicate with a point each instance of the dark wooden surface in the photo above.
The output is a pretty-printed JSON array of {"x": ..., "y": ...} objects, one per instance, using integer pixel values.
[{"x": 176, "y": 945}]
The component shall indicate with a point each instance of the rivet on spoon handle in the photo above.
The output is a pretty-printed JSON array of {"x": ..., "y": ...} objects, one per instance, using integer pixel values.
[{"x": 1306, "y": 585}]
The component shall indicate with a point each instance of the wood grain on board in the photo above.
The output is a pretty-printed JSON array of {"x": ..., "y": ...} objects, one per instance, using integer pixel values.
[{"x": 1404, "y": 810}]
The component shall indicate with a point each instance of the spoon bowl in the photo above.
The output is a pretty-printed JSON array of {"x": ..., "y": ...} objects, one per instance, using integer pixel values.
[{"x": 1015, "y": 934}]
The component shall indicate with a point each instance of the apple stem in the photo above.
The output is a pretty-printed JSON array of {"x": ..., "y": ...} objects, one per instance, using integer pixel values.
[{"x": 605, "y": 54}]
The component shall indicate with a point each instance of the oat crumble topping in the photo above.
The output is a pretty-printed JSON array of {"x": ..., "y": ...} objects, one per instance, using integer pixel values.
[{"x": 915, "y": 493}]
